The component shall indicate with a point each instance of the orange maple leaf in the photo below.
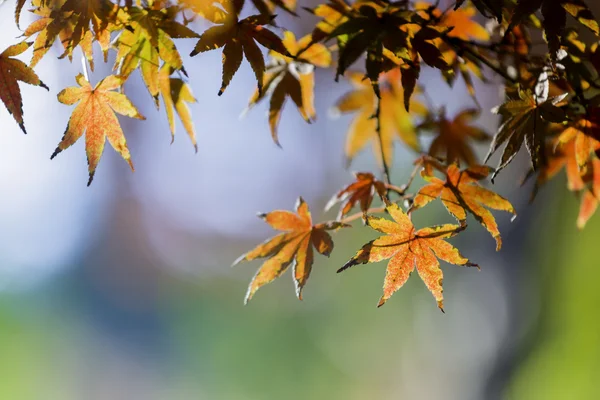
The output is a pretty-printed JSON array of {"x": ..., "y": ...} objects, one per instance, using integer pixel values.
[
  {"x": 463, "y": 27},
  {"x": 591, "y": 193},
  {"x": 460, "y": 193},
  {"x": 361, "y": 191},
  {"x": 582, "y": 132},
  {"x": 454, "y": 136},
  {"x": 396, "y": 122},
  {"x": 95, "y": 116},
  {"x": 560, "y": 156},
  {"x": 267, "y": 7},
  {"x": 460, "y": 20},
  {"x": 294, "y": 78},
  {"x": 51, "y": 25},
  {"x": 408, "y": 249},
  {"x": 75, "y": 23},
  {"x": 12, "y": 71},
  {"x": 294, "y": 245},
  {"x": 584, "y": 180}
]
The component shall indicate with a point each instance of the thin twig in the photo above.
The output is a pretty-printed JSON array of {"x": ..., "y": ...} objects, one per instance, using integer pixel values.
[
  {"x": 359, "y": 215},
  {"x": 377, "y": 116},
  {"x": 466, "y": 49},
  {"x": 406, "y": 186},
  {"x": 400, "y": 190},
  {"x": 374, "y": 210}
]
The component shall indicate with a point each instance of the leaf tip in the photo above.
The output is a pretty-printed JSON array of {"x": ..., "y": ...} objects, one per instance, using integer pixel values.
[
  {"x": 470, "y": 264},
  {"x": 299, "y": 291},
  {"x": 238, "y": 260},
  {"x": 249, "y": 294},
  {"x": 91, "y": 178},
  {"x": 58, "y": 150},
  {"x": 349, "y": 264}
]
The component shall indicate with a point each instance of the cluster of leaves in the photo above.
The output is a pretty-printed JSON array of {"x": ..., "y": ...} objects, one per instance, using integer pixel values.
[{"x": 552, "y": 102}]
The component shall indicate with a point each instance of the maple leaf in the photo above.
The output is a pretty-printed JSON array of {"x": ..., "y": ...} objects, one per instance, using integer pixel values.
[
  {"x": 583, "y": 133},
  {"x": 52, "y": 24},
  {"x": 591, "y": 194},
  {"x": 454, "y": 136},
  {"x": 460, "y": 193},
  {"x": 584, "y": 180},
  {"x": 561, "y": 155},
  {"x": 555, "y": 18},
  {"x": 383, "y": 32},
  {"x": 18, "y": 10},
  {"x": 295, "y": 245},
  {"x": 566, "y": 152},
  {"x": 97, "y": 14},
  {"x": 292, "y": 77},
  {"x": 237, "y": 37},
  {"x": 267, "y": 7},
  {"x": 587, "y": 209},
  {"x": 148, "y": 41},
  {"x": 95, "y": 116},
  {"x": 526, "y": 121},
  {"x": 396, "y": 122},
  {"x": 488, "y": 8},
  {"x": 462, "y": 29},
  {"x": 460, "y": 20},
  {"x": 361, "y": 191},
  {"x": 71, "y": 22},
  {"x": 12, "y": 71},
  {"x": 176, "y": 94},
  {"x": 206, "y": 8},
  {"x": 332, "y": 14},
  {"x": 407, "y": 249}
]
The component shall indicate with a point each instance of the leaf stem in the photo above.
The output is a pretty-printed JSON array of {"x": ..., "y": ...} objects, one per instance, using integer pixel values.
[
  {"x": 373, "y": 210},
  {"x": 86, "y": 73},
  {"x": 358, "y": 215}
]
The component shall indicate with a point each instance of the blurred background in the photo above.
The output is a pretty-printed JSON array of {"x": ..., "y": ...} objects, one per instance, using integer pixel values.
[{"x": 124, "y": 290}]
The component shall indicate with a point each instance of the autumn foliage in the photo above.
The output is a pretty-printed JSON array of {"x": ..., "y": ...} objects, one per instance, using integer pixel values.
[{"x": 544, "y": 53}]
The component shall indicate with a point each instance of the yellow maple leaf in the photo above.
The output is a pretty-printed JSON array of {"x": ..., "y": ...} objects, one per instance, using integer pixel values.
[{"x": 95, "y": 116}]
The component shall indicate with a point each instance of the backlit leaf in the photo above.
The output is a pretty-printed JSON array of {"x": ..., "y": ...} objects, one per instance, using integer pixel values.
[
  {"x": 95, "y": 117},
  {"x": 360, "y": 192},
  {"x": 407, "y": 249},
  {"x": 148, "y": 42},
  {"x": 460, "y": 193},
  {"x": 237, "y": 37},
  {"x": 454, "y": 137},
  {"x": 12, "y": 71},
  {"x": 293, "y": 246},
  {"x": 396, "y": 122},
  {"x": 176, "y": 95},
  {"x": 526, "y": 121},
  {"x": 292, "y": 78}
]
